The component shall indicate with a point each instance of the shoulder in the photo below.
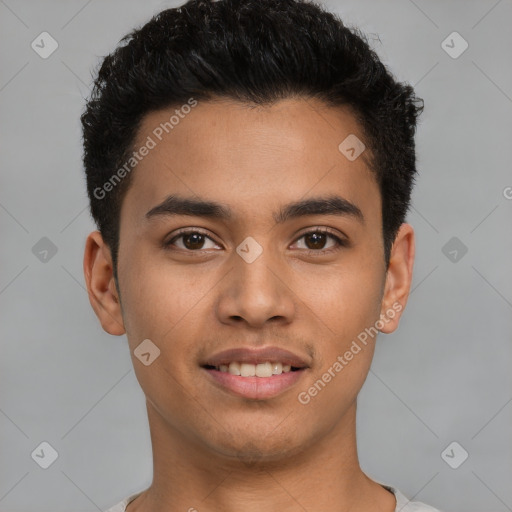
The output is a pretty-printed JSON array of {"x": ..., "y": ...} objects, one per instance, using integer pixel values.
[
  {"x": 403, "y": 504},
  {"x": 121, "y": 506}
]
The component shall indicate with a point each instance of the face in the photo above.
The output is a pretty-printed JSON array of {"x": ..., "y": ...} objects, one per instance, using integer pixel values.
[{"x": 279, "y": 264}]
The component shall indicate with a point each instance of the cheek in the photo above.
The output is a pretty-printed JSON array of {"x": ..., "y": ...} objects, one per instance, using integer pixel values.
[
  {"x": 158, "y": 296},
  {"x": 160, "y": 302},
  {"x": 345, "y": 357},
  {"x": 333, "y": 391},
  {"x": 347, "y": 307},
  {"x": 344, "y": 301}
]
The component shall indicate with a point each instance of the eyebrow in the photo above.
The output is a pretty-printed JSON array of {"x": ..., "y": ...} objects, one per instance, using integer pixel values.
[{"x": 330, "y": 205}]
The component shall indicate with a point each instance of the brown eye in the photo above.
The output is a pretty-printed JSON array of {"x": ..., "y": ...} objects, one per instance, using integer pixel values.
[
  {"x": 315, "y": 241},
  {"x": 193, "y": 241},
  {"x": 190, "y": 241}
]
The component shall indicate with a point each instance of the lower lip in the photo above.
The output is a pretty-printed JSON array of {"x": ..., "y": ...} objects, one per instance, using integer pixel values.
[{"x": 256, "y": 388}]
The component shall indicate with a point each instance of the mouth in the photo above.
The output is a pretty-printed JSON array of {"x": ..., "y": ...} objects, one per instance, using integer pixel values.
[{"x": 256, "y": 374}]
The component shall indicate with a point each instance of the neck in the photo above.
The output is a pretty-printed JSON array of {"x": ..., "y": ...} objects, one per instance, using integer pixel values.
[{"x": 324, "y": 476}]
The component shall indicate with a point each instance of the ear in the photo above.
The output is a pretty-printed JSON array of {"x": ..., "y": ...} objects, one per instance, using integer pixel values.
[
  {"x": 101, "y": 286},
  {"x": 398, "y": 279}
]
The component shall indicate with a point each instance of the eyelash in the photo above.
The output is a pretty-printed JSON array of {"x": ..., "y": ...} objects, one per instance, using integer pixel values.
[{"x": 340, "y": 243}]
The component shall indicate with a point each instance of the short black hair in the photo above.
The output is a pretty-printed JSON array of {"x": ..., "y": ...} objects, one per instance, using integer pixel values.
[{"x": 256, "y": 52}]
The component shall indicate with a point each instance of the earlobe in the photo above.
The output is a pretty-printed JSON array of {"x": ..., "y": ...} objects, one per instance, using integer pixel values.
[
  {"x": 398, "y": 279},
  {"x": 101, "y": 287}
]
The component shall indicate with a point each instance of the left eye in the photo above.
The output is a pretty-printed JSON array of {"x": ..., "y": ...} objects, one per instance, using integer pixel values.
[{"x": 314, "y": 240}]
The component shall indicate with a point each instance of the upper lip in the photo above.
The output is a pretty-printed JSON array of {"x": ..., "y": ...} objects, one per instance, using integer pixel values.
[{"x": 256, "y": 356}]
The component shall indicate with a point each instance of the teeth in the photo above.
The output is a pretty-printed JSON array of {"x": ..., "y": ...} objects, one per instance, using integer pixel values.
[
  {"x": 277, "y": 368},
  {"x": 234, "y": 368},
  {"x": 266, "y": 369},
  {"x": 247, "y": 370}
]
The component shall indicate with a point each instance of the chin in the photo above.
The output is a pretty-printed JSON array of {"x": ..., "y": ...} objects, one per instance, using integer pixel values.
[{"x": 255, "y": 448}]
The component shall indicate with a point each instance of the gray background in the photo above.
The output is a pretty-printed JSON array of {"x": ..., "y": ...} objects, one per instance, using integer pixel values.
[{"x": 444, "y": 376}]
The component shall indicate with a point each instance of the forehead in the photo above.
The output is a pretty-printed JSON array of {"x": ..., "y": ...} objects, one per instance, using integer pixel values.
[{"x": 247, "y": 156}]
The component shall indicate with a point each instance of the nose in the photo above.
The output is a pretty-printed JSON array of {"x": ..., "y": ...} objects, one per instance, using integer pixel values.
[{"x": 256, "y": 293}]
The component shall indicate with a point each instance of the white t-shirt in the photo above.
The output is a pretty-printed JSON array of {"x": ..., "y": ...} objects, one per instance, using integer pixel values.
[{"x": 402, "y": 503}]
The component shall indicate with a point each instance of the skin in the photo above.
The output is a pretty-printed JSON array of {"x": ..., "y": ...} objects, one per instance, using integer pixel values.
[{"x": 213, "y": 450}]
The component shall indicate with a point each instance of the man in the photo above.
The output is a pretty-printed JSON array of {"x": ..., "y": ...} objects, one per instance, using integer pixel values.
[{"x": 249, "y": 166}]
